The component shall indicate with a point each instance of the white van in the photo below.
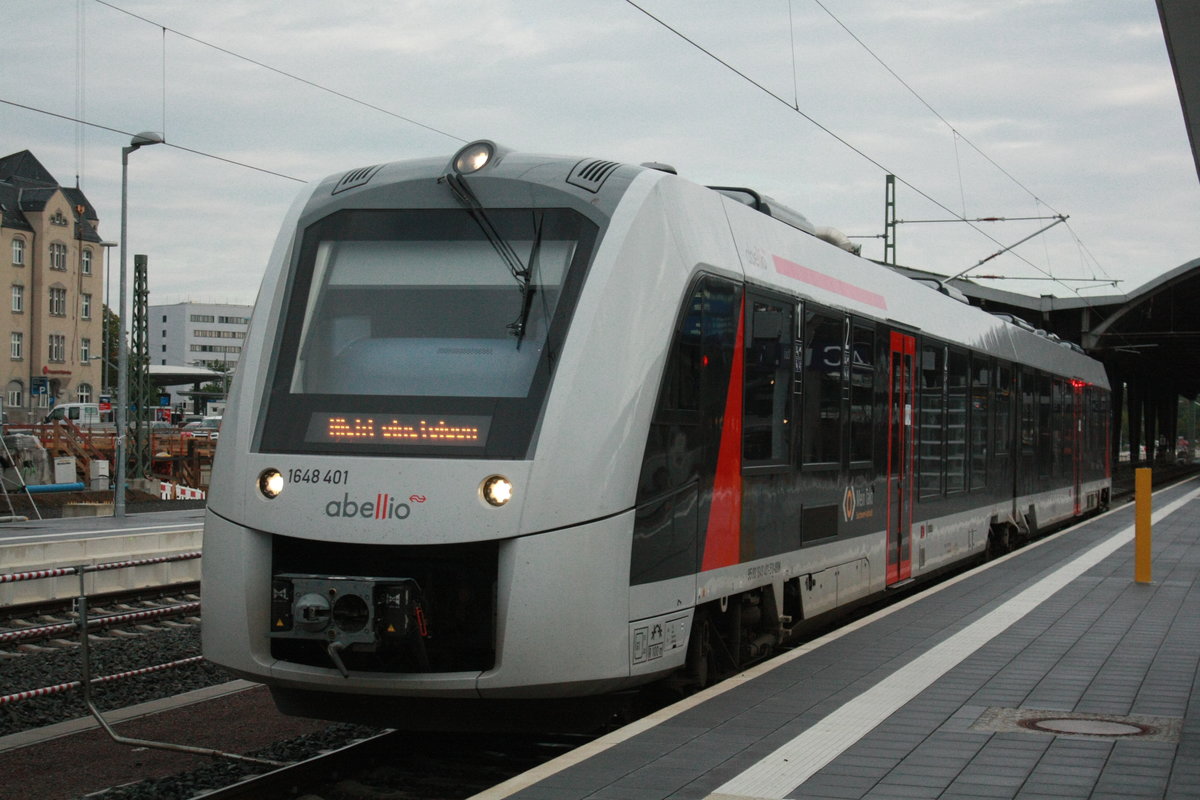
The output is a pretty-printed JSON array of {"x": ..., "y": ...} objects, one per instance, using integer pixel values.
[{"x": 79, "y": 413}]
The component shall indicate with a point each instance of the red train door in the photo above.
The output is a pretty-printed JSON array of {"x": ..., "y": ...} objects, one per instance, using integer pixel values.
[{"x": 901, "y": 398}]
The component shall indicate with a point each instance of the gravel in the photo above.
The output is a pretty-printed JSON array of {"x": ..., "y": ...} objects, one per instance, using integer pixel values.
[
  {"x": 215, "y": 776},
  {"x": 110, "y": 653}
]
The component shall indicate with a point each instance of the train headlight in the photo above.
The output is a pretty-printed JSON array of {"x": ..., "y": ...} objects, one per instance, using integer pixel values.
[
  {"x": 496, "y": 490},
  {"x": 473, "y": 157},
  {"x": 270, "y": 483}
]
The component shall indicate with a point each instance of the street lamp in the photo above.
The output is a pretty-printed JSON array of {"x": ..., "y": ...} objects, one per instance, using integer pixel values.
[{"x": 143, "y": 138}]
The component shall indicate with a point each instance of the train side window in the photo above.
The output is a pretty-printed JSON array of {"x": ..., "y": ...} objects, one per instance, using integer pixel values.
[
  {"x": 931, "y": 453},
  {"x": 691, "y": 400},
  {"x": 981, "y": 384},
  {"x": 957, "y": 378},
  {"x": 1046, "y": 430},
  {"x": 824, "y": 346},
  {"x": 766, "y": 422},
  {"x": 681, "y": 383},
  {"x": 1003, "y": 415},
  {"x": 1028, "y": 414},
  {"x": 862, "y": 392}
]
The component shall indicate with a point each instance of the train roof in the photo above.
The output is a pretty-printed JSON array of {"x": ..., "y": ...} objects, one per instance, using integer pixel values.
[{"x": 778, "y": 246}]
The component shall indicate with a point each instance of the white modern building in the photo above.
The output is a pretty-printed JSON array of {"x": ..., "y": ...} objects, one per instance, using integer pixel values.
[{"x": 197, "y": 335}]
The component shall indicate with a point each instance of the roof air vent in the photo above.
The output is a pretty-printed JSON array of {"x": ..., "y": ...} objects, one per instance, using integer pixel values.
[
  {"x": 661, "y": 167},
  {"x": 591, "y": 174},
  {"x": 356, "y": 178}
]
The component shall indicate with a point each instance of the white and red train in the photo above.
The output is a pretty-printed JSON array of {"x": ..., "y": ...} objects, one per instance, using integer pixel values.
[{"x": 510, "y": 430}]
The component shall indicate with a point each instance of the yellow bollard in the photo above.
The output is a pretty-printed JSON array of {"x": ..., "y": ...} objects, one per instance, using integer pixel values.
[{"x": 1141, "y": 529}]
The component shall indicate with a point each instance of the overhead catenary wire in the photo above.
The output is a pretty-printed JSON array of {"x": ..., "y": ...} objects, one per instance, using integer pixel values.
[
  {"x": 826, "y": 130},
  {"x": 860, "y": 152},
  {"x": 282, "y": 72},
  {"x": 794, "y": 105},
  {"x": 194, "y": 151}
]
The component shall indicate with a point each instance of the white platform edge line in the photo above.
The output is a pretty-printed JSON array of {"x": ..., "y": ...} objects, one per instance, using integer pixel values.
[{"x": 791, "y": 765}]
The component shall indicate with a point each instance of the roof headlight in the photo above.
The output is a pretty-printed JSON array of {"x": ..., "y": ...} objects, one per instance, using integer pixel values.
[
  {"x": 474, "y": 157},
  {"x": 270, "y": 483},
  {"x": 496, "y": 490}
]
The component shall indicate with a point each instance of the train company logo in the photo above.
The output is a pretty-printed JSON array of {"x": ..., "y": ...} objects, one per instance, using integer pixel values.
[
  {"x": 848, "y": 504},
  {"x": 382, "y": 507},
  {"x": 858, "y": 503}
]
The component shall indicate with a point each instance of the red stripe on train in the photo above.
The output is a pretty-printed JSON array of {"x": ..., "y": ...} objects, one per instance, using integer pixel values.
[{"x": 723, "y": 539}]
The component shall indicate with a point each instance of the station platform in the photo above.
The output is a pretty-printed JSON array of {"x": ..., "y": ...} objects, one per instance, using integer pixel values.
[{"x": 1049, "y": 673}]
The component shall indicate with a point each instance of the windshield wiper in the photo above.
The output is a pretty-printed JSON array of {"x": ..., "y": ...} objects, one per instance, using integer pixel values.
[
  {"x": 528, "y": 287},
  {"x": 521, "y": 273},
  {"x": 462, "y": 192}
]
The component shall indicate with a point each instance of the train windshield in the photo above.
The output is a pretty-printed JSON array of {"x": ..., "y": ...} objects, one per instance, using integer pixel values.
[{"x": 426, "y": 331}]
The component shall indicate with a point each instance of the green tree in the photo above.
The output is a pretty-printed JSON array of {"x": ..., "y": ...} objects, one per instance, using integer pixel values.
[{"x": 221, "y": 385}]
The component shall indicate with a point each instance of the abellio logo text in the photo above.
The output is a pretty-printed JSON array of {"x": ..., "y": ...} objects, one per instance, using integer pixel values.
[{"x": 384, "y": 506}]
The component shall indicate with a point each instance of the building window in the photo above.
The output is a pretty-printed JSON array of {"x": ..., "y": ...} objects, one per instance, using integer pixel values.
[
  {"x": 86, "y": 263},
  {"x": 18, "y": 298},
  {"x": 58, "y": 348},
  {"x": 16, "y": 394},
  {"x": 58, "y": 256},
  {"x": 58, "y": 302},
  {"x": 85, "y": 306},
  {"x": 85, "y": 350},
  {"x": 84, "y": 393},
  {"x": 16, "y": 345},
  {"x": 202, "y": 318},
  {"x": 233, "y": 320},
  {"x": 18, "y": 252}
]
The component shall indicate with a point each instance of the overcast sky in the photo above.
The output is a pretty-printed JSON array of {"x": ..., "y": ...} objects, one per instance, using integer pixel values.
[{"x": 1017, "y": 108}]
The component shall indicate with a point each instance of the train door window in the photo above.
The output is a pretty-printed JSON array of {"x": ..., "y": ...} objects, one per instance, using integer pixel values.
[
  {"x": 932, "y": 448},
  {"x": 1003, "y": 414},
  {"x": 957, "y": 379},
  {"x": 981, "y": 383},
  {"x": 824, "y": 345},
  {"x": 766, "y": 422},
  {"x": 1046, "y": 431},
  {"x": 1029, "y": 413},
  {"x": 862, "y": 392},
  {"x": 1064, "y": 432}
]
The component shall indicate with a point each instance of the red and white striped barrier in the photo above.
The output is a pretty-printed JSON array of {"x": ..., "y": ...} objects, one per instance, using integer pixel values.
[
  {"x": 58, "y": 572},
  {"x": 66, "y": 687},
  {"x": 175, "y": 491}
]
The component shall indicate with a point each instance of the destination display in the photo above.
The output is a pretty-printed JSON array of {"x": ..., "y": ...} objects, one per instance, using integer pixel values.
[{"x": 397, "y": 429}]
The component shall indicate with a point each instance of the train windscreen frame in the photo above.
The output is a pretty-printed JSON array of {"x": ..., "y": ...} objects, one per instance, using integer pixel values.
[{"x": 425, "y": 331}]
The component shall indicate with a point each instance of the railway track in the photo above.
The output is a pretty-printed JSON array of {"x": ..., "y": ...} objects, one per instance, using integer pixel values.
[{"x": 25, "y": 629}]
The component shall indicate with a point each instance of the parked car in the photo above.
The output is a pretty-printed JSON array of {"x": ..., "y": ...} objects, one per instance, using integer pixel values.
[
  {"x": 79, "y": 413},
  {"x": 207, "y": 428}
]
